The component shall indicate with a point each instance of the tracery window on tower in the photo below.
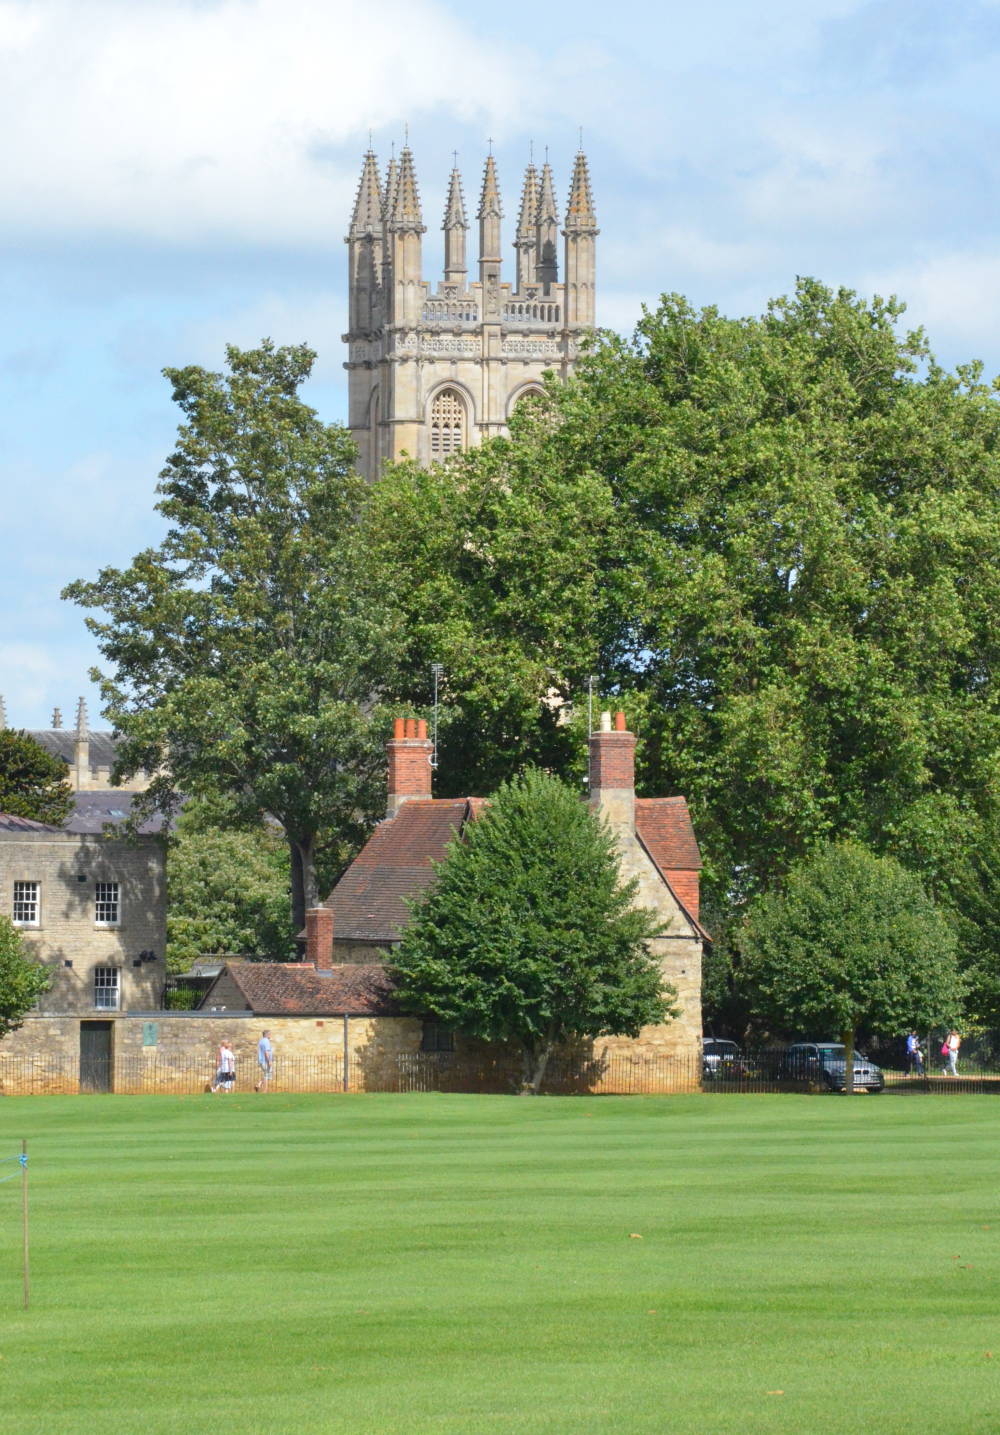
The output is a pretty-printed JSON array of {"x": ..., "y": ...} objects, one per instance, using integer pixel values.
[{"x": 448, "y": 424}]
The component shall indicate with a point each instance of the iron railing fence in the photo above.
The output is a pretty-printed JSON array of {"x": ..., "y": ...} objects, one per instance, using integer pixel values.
[{"x": 611, "y": 1073}]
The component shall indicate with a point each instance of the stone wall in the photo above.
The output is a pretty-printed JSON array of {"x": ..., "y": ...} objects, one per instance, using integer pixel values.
[
  {"x": 68, "y": 940},
  {"x": 176, "y": 1052}
]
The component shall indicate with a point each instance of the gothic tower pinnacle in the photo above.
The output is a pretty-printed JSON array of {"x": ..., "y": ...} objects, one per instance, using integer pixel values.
[
  {"x": 365, "y": 252},
  {"x": 454, "y": 227},
  {"x": 527, "y": 230},
  {"x": 546, "y": 232},
  {"x": 490, "y": 258},
  {"x": 580, "y": 233}
]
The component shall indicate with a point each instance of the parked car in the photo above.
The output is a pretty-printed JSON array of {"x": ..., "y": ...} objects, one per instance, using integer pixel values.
[
  {"x": 721, "y": 1059},
  {"x": 825, "y": 1061}
]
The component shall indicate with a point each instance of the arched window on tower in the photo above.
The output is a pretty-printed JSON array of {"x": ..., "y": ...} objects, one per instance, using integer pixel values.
[{"x": 447, "y": 424}]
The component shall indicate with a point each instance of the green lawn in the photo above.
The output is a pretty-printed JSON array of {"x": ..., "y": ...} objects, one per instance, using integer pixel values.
[{"x": 287, "y": 1265}]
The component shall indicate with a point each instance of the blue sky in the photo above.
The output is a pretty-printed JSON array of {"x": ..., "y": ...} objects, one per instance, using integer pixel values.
[{"x": 177, "y": 174}]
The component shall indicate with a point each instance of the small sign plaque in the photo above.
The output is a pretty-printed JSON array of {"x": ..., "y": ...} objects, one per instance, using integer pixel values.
[{"x": 149, "y": 1033}]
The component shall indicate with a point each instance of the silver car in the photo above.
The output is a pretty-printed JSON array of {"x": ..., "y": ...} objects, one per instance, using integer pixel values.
[{"x": 826, "y": 1062}]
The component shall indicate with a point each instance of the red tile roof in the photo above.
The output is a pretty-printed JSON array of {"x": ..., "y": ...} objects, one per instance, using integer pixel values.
[
  {"x": 294, "y": 989},
  {"x": 395, "y": 863},
  {"x": 368, "y": 901},
  {"x": 664, "y": 827}
]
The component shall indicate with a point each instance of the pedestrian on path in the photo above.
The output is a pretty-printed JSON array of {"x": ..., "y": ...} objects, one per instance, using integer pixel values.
[
  {"x": 225, "y": 1072},
  {"x": 950, "y": 1052},
  {"x": 914, "y": 1056},
  {"x": 265, "y": 1060}
]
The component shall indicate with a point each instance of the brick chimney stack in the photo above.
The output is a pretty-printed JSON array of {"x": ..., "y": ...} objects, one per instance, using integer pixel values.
[
  {"x": 612, "y": 772},
  {"x": 410, "y": 772},
  {"x": 319, "y": 937}
]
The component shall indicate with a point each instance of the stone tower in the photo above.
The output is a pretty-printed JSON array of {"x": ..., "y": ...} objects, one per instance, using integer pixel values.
[{"x": 432, "y": 374}]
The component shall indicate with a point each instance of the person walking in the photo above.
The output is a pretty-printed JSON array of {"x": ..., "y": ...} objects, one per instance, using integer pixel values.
[
  {"x": 914, "y": 1056},
  {"x": 225, "y": 1072},
  {"x": 265, "y": 1060},
  {"x": 950, "y": 1050}
]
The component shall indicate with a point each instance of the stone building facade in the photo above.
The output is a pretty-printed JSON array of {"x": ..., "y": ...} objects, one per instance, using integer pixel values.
[
  {"x": 92, "y": 910},
  {"x": 89, "y": 753},
  {"x": 432, "y": 373}
]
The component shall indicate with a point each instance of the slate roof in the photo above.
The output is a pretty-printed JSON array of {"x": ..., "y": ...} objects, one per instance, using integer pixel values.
[
  {"x": 294, "y": 989},
  {"x": 10, "y": 823},
  {"x": 368, "y": 903},
  {"x": 93, "y": 810},
  {"x": 61, "y": 742}
]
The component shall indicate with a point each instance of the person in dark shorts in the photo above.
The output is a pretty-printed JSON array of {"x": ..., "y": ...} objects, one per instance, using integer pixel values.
[{"x": 225, "y": 1072}]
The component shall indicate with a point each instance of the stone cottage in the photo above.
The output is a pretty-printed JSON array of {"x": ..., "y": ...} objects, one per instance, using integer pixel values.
[{"x": 366, "y": 912}]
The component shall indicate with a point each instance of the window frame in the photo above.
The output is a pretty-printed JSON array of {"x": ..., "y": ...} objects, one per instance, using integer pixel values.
[
  {"x": 26, "y": 923},
  {"x": 113, "y": 987},
  {"x": 436, "y": 1038},
  {"x": 107, "y": 923}
]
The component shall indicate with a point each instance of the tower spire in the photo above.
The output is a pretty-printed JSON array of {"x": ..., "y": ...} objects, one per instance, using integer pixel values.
[
  {"x": 365, "y": 249},
  {"x": 406, "y": 199},
  {"x": 579, "y": 272},
  {"x": 389, "y": 193},
  {"x": 367, "y": 216},
  {"x": 580, "y": 216},
  {"x": 454, "y": 226},
  {"x": 547, "y": 229},
  {"x": 489, "y": 215},
  {"x": 527, "y": 230}
]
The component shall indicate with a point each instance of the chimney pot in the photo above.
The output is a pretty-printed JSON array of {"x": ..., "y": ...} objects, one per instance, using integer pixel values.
[
  {"x": 605, "y": 722},
  {"x": 620, "y": 722},
  {"x": 410, "y": 772}
]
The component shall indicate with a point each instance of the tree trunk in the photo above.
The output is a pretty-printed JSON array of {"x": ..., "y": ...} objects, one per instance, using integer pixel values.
[
  {"x": 847, "y": 1037},
  {"x": 305, "y": 892},
  {"x": 535, "y": 1060}
]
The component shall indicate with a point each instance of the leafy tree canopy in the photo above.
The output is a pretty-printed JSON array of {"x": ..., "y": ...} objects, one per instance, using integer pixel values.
[
  {"x": 241, "y": 661},
  {"x": 32, "y": 782},
  {"x": 850, "y": 939},
  {"x": 22, "y": 980},
  {"x": 528, "y": 935},
  {"x": 779, "y": 535},
  {"x": 229, "y": 893}
]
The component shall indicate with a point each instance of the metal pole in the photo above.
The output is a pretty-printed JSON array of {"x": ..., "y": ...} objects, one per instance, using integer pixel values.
[
  {"x": 24, "y": 1221},
  {"x": 436, "y": 670},
  {"x": 347, "y": 1057}
]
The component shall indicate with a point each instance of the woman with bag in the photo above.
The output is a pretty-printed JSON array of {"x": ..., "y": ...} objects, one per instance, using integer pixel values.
[{"x": 950, "y": 1052}]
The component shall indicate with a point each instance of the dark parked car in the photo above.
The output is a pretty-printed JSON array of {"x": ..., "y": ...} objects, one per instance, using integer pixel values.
[
  {"x": 721, "y": 1059},
  {"x": 825, "y": 1061}
]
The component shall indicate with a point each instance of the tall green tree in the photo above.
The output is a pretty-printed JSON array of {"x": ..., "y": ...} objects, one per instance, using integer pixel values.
[
  {"x": 850, "y": 939},
  {"x": 22, "y": 979},
  {"x": 241, "y": 661},
  {"x": 32, "y": 782},
  {"x": 528, "y": 934},
  {"x": 780, "y": 536}
]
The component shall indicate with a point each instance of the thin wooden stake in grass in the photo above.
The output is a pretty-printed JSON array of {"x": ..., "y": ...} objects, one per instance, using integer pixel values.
[{"x": 24, "y": 1222}]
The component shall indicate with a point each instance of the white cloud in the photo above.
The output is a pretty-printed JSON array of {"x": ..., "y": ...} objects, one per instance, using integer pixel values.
[
  {"x": 28, "y": 673},
  {"x": 955, "y": 296},
  {"x": 189, "y": 123}
]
